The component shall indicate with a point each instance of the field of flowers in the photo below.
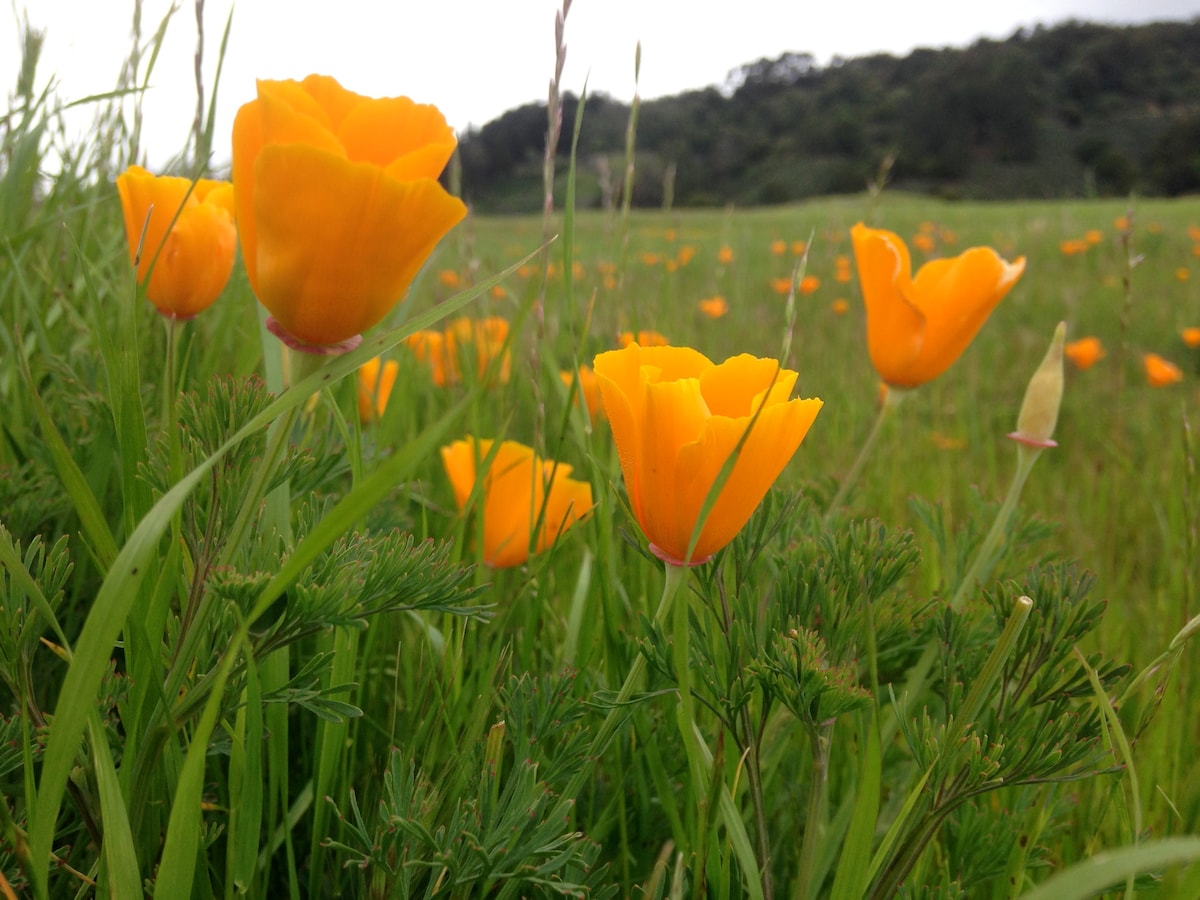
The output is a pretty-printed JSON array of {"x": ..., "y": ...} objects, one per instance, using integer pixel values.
[{"x": 354, "y": 545}]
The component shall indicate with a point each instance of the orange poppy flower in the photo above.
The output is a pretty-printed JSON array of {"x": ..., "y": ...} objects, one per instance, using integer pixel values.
[
  {"x": 714, "y": 307},
  {"x": 429, "y": 347},
  {"x": 1191, "y": 336},
  {"x": 375, "y": 382},
  {"x": 725, "y": 255},
  {"x": 779, "y": 247},
  {"x": 589, "y": 389},
  {"x": 520, "y": 492},
  {"x": 338, "y": 203},
  {"x": 798, "y": 248},
  {"x": 924, "y": 242},
  {"x": 1160, "y": 372},
  {"x": 840, "y": 307},
  {"x": 1073, "y": 247},
  {"x": 1182, "y": 273},
  {"x": 809, "y": 284},
  {"x": 449, "y": 278},
  {"x": 1093, "y": 236},
  {"x": 676, "y": 418},
  {"x": 645, "y": 338},
  {"x": 917, "y": 326},
  {"x": 196, "y": 256},
  {"x": 1084, "y": 353},
  {"x": 781, "y": 286}
]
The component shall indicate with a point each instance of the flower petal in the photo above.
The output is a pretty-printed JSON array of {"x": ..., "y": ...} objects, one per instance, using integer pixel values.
[
  {"x": 895, "y": 327},
  {"x": 329, "y": 230}
]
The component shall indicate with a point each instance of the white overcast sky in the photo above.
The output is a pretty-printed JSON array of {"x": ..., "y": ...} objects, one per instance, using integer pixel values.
[{"x": 477, "y": 58}]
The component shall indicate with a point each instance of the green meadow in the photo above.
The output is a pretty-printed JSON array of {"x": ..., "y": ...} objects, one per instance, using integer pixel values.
[{"x": 250, "y": 645}]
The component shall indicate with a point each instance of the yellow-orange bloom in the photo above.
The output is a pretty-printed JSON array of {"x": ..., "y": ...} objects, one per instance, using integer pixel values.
[
  {"x": 1073, "y": 246},
  {"x": 644, "y": 337},
  {"x": 840, "y": 307},
  {"x": 443, "y": 352},
  {"x": 589, "y": 388},
  {"x": 676, "y": 418},
  {"x": 1093, "y": 236},
  {"x": 1160, "y": 372},
  {"x": 196, "y": 257},
  {"x": 779, "y": 247},
  {"x": 714, "y": 307},
  {"x": 1182, "y": 274},
  {"x": 338, "y": 203},
  {"x": 917, "y": 326},
  {"x": 781, "y": 286},
  {"x": 809, "y": 284},
  {"x": 1191, "y": 336},
  {"x": 375, "y": 382},
  {"x": 725, "y": 255},
  {"x": 519, "y": 490},
  {"x": 1084, "y": 353}
]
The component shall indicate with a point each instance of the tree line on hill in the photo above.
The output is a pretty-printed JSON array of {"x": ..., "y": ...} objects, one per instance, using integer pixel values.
[{"x": 1073, "y": 110}]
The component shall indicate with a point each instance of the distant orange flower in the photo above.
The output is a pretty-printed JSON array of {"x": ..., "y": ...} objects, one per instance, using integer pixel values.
[
  {"x": 725, "y": 255},
  {"x": 779, "y": 247},
  {"x": 840, "y": 307},
  {"x": 520, "y": 492},
  {"x": 1093, "y": 236},
  {"x": 589, "y": 389},
  {"x": 449, "y": 278},
  {"x": 1073, "y": 246},
  {"x": 1121, "y": 223},
  {"x": 1182, "y": 274},
  {"x": 651, "y": 259},
  {"x": 526, "y": 270},
  {"x": 1160, "y": 372},
  {"x": 809, "y": 284},
  {"x": 945, "y": 442},
  {"x": 197, "y": 253},
  {"x": 1084, "y": 353},
  {"x": 947, "y": 236},
  {"x": 670, "y": 234},
  {"x": 1194, "y": 233},
  {"x": 1196, "y": 250},
  {"x": 671, "y": 265},
  {"x": 918, "y": 325},
  {"x": 443, "y": 351},
  {"x": 644, "y": 338},
  {"x": 685, "y": 254},
  {"x": 781, "y": 286},
  {"x": 798, "y": 248},
  {"x": 714, "y": 307},
  {"x": 429, "y": 348},
  {"x": 1191, "y": 337},
  {"x": 924, "y": 242},
  {"x": 375, "y": 382},
  {"x": 843, "y": 275},
  {"x": 498, "y": 292},
  {"x": 577, "y": 270}
]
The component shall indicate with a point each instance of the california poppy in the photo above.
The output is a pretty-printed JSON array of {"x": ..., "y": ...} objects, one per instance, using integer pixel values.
[
  {"x": 589, "y": 389},
  {"x": 1084, "y": 353},
  {"x": 338, "y": 202},
  {"x": 676, "y": 418},
  {"x": 520, "y": 491},
  {"x": 1160, "y": 372},
  {"x": 192, "y": 261},
  {"x": 917, "y": 326},
  {"x": 375, "y": 382},
  {"x": 714, "y": 307}
]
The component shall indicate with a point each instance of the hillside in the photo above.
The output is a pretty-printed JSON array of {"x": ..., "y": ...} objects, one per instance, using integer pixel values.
[{"x": 1075, "y": 110}]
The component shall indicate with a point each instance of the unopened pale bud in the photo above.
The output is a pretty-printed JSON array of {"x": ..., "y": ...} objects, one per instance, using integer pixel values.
[{"x": 1043, "y": 397}]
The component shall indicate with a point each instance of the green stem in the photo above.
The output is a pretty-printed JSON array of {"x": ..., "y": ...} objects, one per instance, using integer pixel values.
[
  {"x": 616, "y": 712},
  {"x": 979, "y": 568},
  {"x": 986, "y": 555},
  {"x": 814, "y": 822},
  {"x": 890, "y": 401}
]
